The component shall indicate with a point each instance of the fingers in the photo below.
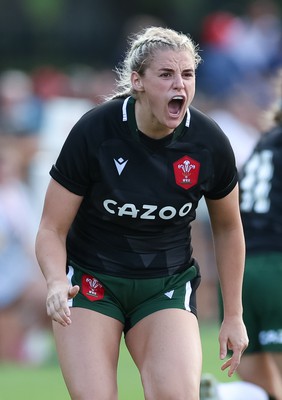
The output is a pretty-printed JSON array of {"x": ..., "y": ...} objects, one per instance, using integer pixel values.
[
  {"x": 233, "y": 336},
  {"x": 57, "y": 303},
  {"x": 233, "y": 362},
  {"x": 58, "y": 309}
]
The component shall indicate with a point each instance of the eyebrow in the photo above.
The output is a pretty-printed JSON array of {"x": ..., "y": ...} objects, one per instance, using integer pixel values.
[{"x": 166, "y": 69}]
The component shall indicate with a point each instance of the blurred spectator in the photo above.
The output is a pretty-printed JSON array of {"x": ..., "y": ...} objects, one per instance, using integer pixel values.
[
  {"x": 218, "y": 72},
  {"x": 49, "y": 82},
  {"x": 23, "y": 290},
  {"x": 101, "y": 86},
  {"x": 237, "y": 48},
  {"x": 20, "y": 113},
  {"x": 60, "y": 114},
  {"x": 239, "y": 114},
  {"x": 255, "y": 43}
]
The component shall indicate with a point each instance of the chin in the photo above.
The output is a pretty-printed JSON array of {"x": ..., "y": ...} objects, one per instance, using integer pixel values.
[{"x": 175, "y": 122}]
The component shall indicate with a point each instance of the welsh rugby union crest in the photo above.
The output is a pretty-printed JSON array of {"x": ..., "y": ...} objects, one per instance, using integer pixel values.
[{"x": 186, "y": 172}]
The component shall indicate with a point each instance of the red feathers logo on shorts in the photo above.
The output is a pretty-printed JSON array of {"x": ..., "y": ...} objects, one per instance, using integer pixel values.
[
  {"x": 186, "y": 172},
  {"x": 92, "y": 288}
]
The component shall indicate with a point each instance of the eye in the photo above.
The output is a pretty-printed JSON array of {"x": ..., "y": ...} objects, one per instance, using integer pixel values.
[
  {"x": 166, "y": 74},
  {"x": 188, "y": 74}
]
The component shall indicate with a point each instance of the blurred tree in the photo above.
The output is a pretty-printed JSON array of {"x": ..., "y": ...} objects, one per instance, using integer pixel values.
[
  {"x": 44, "y": 13},
  {"x": 16, "y": 34}
]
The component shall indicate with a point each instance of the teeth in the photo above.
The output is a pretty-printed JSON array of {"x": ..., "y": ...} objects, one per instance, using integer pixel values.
[{"x": 177, "y": 98}]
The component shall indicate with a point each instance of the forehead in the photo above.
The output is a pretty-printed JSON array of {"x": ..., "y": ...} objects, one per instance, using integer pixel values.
[{"x": 172, "y": 59}]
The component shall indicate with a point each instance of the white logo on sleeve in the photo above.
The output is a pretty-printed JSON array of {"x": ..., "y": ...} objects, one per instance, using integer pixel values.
[{"x": 120, "y": 164}]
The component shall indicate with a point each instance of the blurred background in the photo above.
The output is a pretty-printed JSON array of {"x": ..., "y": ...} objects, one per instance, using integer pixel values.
[{"x": 57, "y": 60}]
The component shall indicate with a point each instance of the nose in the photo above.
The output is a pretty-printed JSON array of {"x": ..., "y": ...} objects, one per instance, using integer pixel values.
[{"x": 178, "y": 81}]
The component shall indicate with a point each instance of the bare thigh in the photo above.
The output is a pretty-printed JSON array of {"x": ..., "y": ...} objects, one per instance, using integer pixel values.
[
  {"x": 167, "y": 351},
  {"x": 88, "y": 352},
  {"x": 264, "y": 370}
]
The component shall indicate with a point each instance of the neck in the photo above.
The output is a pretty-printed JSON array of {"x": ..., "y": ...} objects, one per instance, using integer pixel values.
[{"x": 147, "y": 126}]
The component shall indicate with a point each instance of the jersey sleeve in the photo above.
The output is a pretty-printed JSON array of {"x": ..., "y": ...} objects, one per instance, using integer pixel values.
[
  {"x": 72, "y": 169},
  {"x": 225, "y": 176}
]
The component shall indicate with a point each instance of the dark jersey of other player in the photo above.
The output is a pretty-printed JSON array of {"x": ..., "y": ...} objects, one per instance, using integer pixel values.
[
  {"x": 140, "y": 194},
  {"x": 261, "y": 194}
]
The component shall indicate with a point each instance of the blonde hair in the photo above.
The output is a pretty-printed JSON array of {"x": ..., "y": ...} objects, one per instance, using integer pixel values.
[{"x": 143, "y": 46}]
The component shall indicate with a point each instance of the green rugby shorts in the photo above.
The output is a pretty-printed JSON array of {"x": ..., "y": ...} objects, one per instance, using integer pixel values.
[
  {"x": 130, "y": 300},
  {"x": 262, "y": 311},
  {"x": 262, "y": 302}
]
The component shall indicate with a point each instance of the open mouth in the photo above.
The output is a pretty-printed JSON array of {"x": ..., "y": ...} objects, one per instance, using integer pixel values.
[{"x": 175, "y": 105}]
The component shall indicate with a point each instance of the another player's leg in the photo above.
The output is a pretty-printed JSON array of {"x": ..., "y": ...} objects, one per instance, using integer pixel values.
[{"x": 262, "y": 370}]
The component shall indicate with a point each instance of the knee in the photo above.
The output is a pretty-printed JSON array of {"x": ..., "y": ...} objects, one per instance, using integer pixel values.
[
  {"x": 86, "y": 393},
  {"x": 169, "y": 389},
  {"x": 170, "y": 394}
]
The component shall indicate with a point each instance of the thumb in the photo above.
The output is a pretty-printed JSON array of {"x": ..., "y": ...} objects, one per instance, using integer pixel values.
[
  {"x": 73, "y": 290},
  {"x": 222, "y": 350}
]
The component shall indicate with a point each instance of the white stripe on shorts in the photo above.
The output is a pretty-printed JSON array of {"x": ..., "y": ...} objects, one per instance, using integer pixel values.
[
  {"x": 69, "y": 276},
  {"x": 187, "y": 296}
]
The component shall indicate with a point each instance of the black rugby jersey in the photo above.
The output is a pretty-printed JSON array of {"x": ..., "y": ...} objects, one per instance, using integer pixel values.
[
  {"x": 140, "y": 194},
  {"x": 261, "y": 194}
]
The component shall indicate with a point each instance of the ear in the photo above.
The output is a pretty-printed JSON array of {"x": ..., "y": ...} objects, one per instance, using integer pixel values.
[{"x": 136, "y": 82}]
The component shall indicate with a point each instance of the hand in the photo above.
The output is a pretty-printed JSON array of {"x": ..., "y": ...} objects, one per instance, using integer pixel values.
[
  {"x": 57, "y": 301},
  {"x": 233, "y": 336}
]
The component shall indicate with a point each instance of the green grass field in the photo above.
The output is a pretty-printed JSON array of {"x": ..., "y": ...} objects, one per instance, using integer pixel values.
[{"x": 46, "y": 382}]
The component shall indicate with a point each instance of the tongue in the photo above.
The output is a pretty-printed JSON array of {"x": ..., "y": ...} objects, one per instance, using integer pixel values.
[{"x": 174, "y": 107}]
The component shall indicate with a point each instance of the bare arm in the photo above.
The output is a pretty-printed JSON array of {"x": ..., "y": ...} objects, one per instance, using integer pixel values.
[
  {"x": 230, "y": 258},
  {"x": 60, "y": 208}
]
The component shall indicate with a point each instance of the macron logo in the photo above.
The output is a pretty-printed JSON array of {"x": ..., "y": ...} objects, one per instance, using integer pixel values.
[{"x": 120, "y": 164}]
